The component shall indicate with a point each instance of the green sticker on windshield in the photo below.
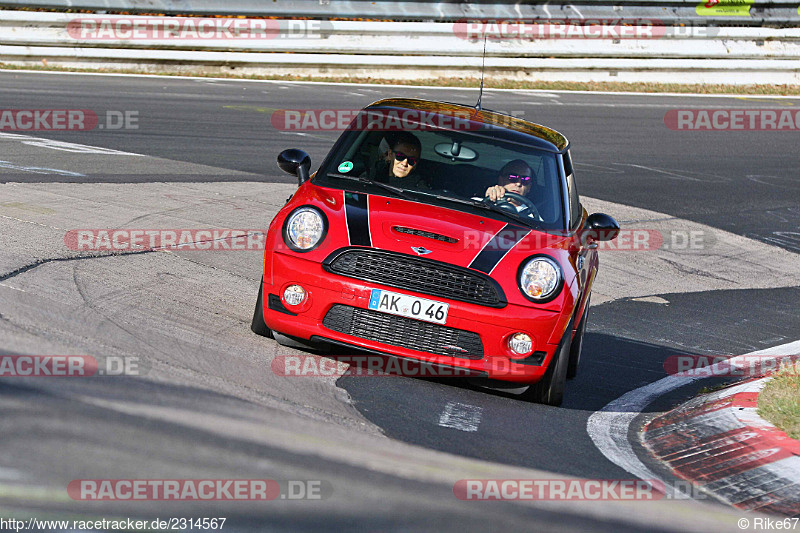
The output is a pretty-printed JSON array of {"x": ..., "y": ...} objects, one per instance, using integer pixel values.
[{"x": 346, "y": 166}]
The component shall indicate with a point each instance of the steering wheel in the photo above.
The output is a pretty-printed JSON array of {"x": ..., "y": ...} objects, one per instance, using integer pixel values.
[{"x": 527, "y": 203}]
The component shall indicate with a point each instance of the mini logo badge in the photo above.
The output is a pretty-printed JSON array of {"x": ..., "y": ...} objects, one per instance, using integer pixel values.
[
  {"x": 421, "y": 250},
  {"x": 452, "y": 348}
]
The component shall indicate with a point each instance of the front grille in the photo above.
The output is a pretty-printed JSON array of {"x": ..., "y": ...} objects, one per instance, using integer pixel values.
[
  {"x": 404, "y": 332},
  {"x": 417, "y": 274}
]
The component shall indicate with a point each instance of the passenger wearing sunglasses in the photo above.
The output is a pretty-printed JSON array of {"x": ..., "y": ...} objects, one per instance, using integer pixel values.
[
  {"x": 400, "y": 157},
  {"x": 515, "y": 176}
]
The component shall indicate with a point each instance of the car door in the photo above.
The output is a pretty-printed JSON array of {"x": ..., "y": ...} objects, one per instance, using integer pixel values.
[{"x": 582, "y": 253}]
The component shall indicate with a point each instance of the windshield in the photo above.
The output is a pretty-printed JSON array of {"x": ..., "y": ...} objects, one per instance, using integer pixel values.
[{"x": 455, "y": 169}]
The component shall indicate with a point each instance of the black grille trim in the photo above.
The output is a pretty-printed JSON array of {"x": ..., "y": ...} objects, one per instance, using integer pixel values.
[
  {"x": 403, "y": 332},
  {"x": 274, "y": 302},
  {"x": 416, "y": 274},
  {"x": 534, "y": 359},
  {"x": 426, "y": 234}
]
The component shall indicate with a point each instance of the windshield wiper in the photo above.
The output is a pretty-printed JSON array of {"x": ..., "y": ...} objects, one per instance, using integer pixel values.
[
  {"x": 491, "y": 206},
  {"x": 479, "y": 204},
  {"x": 406, "y": 194},
  {"x": 402, "y": 193}
]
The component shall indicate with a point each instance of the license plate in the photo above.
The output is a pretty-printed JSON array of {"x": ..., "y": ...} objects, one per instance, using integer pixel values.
[{"x": 408, "y": 306}]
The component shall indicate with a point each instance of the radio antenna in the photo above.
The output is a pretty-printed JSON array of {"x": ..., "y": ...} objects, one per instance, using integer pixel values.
[{"x": 483, "y": 67}]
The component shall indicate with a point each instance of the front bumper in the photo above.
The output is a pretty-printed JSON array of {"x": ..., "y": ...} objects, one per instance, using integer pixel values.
[{"x": 493, "y": 326}]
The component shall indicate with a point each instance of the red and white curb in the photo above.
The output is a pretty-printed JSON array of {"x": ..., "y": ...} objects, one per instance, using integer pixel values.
[
  {"x": 610, "y": 427},
  {"x": 718, "y": 442}
]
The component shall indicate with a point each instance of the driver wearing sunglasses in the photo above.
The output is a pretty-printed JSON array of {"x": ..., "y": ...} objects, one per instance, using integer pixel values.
[{"x": 515, "y": 176}]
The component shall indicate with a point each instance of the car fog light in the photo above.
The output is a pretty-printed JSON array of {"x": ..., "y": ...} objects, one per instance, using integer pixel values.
[
  {"x": 520, "y": 343},
  {"x": 294, "y": 294}
]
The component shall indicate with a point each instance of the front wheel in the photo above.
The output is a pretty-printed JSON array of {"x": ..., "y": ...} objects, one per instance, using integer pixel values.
[
  {"x": 258, "y": 325},
  {"x": 577, "y": 345},
  {"x": 550, "y": 389}
]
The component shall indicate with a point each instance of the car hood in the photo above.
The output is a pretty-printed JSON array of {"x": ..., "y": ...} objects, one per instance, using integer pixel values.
[
  {"x": 438, "y": 233},
  {"x": 495, "y": 247}
]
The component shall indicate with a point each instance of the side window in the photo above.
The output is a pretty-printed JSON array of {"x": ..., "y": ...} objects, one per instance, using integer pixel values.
[{"x": 575, "y": 209}]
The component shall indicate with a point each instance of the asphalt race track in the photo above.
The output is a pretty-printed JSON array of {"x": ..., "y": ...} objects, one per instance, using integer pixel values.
[{"x": 384, "y": 450}]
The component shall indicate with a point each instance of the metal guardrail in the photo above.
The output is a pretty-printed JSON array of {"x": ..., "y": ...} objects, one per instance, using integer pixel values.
[
  {"x": 721, "y": 12},
  {"x": 409, "y": 50}
]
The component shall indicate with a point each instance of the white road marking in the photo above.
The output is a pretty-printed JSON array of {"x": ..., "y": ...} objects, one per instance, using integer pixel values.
[
  {"x": 10, "y": 473},
  {"x": 383, "y": 87},
  {"x": 74, "y": 147},
  {"x": 609, "y": 427},
  {"x": 652, "y": 300},
  {"x": 39, "y": 170},
  {"x": 302, "y": 134},
  {"x": 523, "y": 92},
  {"x": 461, "y": 416},
  {"x": 789, "y": 239},
  {"x": 668, "y": 173},
  {"x": 62, "y": 146},
  {"x": 20, "y": 290}
]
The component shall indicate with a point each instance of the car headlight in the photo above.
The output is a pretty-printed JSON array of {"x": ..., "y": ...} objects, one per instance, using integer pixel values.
[
  {"x": 304, "y": 229},
  {"x": 540, "y": 278}
]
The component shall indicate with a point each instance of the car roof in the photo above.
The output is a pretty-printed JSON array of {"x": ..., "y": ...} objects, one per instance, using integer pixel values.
[{"x": 500, "y": 125}]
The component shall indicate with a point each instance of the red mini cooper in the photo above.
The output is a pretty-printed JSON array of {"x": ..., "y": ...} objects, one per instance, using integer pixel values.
[{"x": 442, "y": 234}]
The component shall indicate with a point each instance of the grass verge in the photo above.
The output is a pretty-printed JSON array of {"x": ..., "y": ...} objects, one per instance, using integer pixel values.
[
  {"x": 490, "y": 83},
  {"x": 779, "y": 402}
]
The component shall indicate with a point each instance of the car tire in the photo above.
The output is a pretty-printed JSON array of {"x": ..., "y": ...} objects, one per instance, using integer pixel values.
[
  {"x": 258, "y": 325},
  {"x": 550, "y": 389},
  {"x": 577, "y": 345}
]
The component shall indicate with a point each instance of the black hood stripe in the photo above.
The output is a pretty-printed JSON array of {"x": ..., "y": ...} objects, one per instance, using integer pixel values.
[
  {"x": 356, "y": 210},
  {"x": 499, "y": 245}
]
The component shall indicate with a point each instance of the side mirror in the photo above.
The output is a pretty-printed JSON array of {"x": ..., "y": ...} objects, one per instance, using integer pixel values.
[
  {"x": 601, "y": 227},
  {"x": 297, "y": 162}
]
